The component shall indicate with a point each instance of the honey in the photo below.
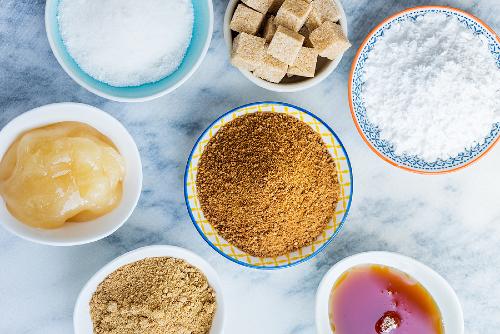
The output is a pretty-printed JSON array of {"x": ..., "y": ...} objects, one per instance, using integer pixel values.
[
  {"x": 64, "y": 172},
  {"x": 375, "y": 299}
]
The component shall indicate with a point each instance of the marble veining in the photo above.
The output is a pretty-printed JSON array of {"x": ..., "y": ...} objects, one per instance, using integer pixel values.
[{"x": 450, "y": 222}]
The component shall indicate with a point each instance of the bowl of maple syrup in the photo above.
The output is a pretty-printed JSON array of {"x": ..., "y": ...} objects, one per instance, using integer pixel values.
[{"x": 386, "y": 293}]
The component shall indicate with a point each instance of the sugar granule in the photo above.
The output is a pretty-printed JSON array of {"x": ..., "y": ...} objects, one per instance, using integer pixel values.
[
  {"x": 432, "y": 87},
  {"x": 126, "y": 42}
]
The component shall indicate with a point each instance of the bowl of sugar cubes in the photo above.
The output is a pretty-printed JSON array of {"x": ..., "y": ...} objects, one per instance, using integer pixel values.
[{"x": 286, "y": 45}]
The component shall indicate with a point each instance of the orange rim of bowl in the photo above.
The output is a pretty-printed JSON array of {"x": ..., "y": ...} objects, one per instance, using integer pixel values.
[{"x": 353, "y": 66}]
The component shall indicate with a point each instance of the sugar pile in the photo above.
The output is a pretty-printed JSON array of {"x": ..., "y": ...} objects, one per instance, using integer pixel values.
[
  {"x": 126, "y": 42},
  {"x": 432, "y": 87}
]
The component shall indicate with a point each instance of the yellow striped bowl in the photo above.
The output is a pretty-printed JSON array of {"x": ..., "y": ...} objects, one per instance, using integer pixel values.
[{"x": 234, "y": 254}]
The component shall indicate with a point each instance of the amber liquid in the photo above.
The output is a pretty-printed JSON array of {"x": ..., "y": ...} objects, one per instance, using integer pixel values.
[
  {"x": 375, "y": 299},
  {"x": 59, "y": 173}
]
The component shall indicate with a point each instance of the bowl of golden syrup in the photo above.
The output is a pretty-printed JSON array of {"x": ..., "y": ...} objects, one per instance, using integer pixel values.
[
  {"x": 386, "y": 293},
  {"x": 79, "y": 170}
]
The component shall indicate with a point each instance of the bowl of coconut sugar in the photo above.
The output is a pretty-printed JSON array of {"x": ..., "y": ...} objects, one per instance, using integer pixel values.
[
  {"x": 425, "y": 89},
  {"x": 127, "y": 50}
]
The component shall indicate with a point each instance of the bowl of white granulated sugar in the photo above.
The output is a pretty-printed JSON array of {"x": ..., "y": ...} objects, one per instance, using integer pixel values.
[
  {"x": 425, "y": 89},
  {"x": 128, "y": 50}
]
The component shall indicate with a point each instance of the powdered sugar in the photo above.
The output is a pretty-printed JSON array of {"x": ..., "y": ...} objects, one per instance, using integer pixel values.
[
  {"x": 432, "y": 87},
  {"x": 126, "y": 42}
]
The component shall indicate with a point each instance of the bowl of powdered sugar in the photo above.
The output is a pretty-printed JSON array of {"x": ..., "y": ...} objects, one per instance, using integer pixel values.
[
  {"x": 127, "y": 50},
  {"x": 425, "y": 89}
]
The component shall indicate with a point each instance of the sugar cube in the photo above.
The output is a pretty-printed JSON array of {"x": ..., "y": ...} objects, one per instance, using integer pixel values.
[
  {"x": 248, "y": 51},
  {"x": 285, "y": 45},
  {"x": 329, "y": 40},
  {"x": 313, "y": 21},
  {"x": 269, "y": 29},
  {"x": 293, "y": 14},
  {"x": 305, "y": 64},
  {"x": 275, "y": 6},
  {"x": 246, "y": 19},
  {"x": 259, "y": 5},
  {"x": 271, "y": 69},
  {"x": 322, "y": 10}
]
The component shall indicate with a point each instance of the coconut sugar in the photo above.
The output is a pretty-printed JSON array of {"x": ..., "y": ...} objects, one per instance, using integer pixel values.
[
  {"x": 267, "y": 183},
  {"x": 432, "y": 87},
  {"x": 126, "y": 42},
  {"x": 154, "y": 296}
]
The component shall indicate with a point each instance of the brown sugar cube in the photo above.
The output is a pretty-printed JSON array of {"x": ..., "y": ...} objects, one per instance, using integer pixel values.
[
  {"x": 271, "y": 69},
  {"x": 305, "y": 64},
  {"x": 329, "y": 40},
  {"x": 246, "y": 19},
  {"x": 313, "y": 21},
  {"x": 293, "y": 14},
  {"x": 285, "y": 45},
  {"x": 269, "y": 29},
  {"x": 322, "y": 10},
  {"x": 259, "y": 5},
  {"x": 327, "y": 10},
  {"x": 248, "y": 51},
  {"x": 305, "y": 32},
  {"x": 275, "y": 6}
]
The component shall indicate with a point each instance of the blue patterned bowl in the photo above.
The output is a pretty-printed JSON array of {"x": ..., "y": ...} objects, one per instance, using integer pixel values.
[
  {"x": 229, "y": 251},
  {"x": 371, "y": 134},
  {"x": 200, "y": 41}
]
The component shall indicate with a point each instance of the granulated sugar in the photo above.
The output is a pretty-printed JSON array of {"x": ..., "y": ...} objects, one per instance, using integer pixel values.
[
  {"x": 432, "y": 87},
  {"x": 126, "y": 42}
]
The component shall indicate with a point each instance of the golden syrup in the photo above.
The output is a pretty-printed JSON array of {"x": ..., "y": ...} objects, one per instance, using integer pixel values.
[{"x": 63, "y": 172}]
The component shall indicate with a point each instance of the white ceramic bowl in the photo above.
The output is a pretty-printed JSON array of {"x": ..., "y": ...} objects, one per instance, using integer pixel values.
[
  {"x": 77, "y": 233},
  {"x": 81, "y": 317},
  {"x": 198, "y": 47},
  {"x": 323, "y": 69},
  {"x": 439, "y": 289}
]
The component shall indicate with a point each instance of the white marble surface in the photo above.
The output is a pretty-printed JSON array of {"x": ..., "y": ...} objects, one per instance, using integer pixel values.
[{"x": 450, "y": 222}]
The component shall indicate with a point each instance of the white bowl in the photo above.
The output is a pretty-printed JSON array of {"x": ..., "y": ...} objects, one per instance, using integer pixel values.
[
  {"x": 77, "y": 233},
  {"x": 324, "y": 67},
  {"x": 440, "y": 290},
  {"x": 81, "y": 317}
]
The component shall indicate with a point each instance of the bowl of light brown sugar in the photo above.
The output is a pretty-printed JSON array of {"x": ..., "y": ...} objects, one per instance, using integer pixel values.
[
  {"x": 152, "y": 290},
  {"x": 268, "y": 185}
]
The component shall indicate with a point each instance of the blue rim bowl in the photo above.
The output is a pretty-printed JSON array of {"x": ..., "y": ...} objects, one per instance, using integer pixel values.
[
  {"x": 202, "y": 35},
  {"x": 230, "y": 252},
  {"x": 371, "y": 134}
]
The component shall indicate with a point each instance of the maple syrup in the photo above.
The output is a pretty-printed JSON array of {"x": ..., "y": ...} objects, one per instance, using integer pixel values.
[{"x": 376, "y": 299}]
